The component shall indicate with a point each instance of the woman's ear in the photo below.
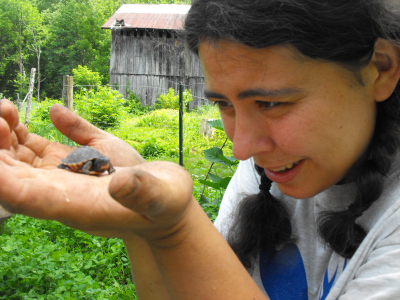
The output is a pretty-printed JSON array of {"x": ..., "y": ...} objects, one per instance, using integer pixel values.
[{"x": 387, "y": 62}]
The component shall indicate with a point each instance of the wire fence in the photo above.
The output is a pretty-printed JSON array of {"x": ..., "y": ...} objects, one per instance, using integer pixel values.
[
  {"x": 87, "y": 91},
  {"x": 148, "y": 94}
]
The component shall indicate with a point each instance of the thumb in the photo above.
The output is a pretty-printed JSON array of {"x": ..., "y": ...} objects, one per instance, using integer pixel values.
[
  {"x": 156, "y": 189},
  {"x": 73, "y": 126},
  {"x": 138, "y": 190}
]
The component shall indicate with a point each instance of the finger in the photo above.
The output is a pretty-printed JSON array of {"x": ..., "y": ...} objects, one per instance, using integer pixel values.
[
  {"x": 20, "y": 196},
  {"x": 153, "y": 189},
  {"x": 139, "y": 191},
  {"x": 9, "y": 112},
  {"x": 5, "y": 135},
  {"x": 82, "y": 132},
  {"x": 73, "y": 126}
]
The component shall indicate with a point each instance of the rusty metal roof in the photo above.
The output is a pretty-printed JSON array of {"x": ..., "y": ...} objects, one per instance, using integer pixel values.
[{"x": 154, "y": 16}]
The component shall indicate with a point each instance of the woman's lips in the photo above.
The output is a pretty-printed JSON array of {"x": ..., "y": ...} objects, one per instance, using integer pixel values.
[{"x": 286, "y": 173}]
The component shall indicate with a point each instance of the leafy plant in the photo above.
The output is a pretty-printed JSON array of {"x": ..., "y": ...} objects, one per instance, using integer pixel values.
[
  {"x": 46, "y": 260},
  {"x": 101, "y": 107},
  {"x": 219, "y": 184},
  {"x": 170, "y": 101},
  {"x": 133, "y": 105},
  {"x": 85, "y": 77},
  {"x": 151, "y": 148}
]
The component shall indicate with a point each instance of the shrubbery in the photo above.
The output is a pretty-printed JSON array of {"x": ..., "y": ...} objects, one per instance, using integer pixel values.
[
  {"x": 133, "y": 106},
  {"x": 86, "y": 78},
  {"x": 171, "y": 101},
  {"x": 101, "y": 107}
]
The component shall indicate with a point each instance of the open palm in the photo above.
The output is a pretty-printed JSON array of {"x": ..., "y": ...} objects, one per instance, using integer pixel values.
[{"x": 41, "y": 153}]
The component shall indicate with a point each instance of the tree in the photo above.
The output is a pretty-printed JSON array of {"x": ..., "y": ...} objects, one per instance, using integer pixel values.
[
  {"x": 15, "y": 17},
  {"x": 76, "y": 38}
]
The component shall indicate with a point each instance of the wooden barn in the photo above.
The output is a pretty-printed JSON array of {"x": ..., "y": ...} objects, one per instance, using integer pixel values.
[{"x": 148, "y": 53}]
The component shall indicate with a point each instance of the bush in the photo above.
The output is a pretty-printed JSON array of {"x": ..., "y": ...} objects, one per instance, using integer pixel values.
[
  {"x": 133, "y": 105},
  {"x": 170, "y": 101},
  {"x": 101, "y": 108},
  {"x": 86, "y": 77}
]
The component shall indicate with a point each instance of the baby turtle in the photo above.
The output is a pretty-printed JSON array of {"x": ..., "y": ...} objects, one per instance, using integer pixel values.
[{"x": 88, "y": 161}]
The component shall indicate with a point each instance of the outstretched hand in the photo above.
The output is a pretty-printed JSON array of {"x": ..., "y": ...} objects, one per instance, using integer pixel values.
[
  {"x": 132, "y": 200},
  {"x": 149, "y": 199},
  {"x": 41, "y": 153}
]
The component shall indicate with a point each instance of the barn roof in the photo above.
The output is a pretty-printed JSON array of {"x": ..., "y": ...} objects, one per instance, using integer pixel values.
[{"x": 154, "y": 16}]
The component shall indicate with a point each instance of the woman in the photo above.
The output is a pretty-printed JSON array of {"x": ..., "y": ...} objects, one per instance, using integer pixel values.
[
  {"x": 319, "y": 135},
  {"x": 307, "y": 94}
]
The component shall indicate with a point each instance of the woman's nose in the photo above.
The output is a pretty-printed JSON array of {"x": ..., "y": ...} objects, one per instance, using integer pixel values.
[{"x": 250, "y": 138}]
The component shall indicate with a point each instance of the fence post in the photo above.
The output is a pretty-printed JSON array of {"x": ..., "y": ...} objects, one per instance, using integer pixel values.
[
  {"x": 181, "y": 124},
  {"x": 29, "y": 96},
  {"x": 19, "y": 104},
  {"x": 68, "y": 92}
]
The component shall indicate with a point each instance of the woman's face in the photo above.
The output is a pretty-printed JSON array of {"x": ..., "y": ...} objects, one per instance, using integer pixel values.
[{"x": 306, "y": 122}]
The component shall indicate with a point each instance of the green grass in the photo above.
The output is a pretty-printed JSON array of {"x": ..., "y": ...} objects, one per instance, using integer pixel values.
[{"x": 47, "y": 260}]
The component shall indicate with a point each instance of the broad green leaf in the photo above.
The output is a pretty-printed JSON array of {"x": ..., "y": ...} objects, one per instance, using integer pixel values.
[
  {"x": 214, "y": 154},
  {"x": 214, "y": 178},
  {"x": 229, "y": 161},
  {"x": 224, "y": 182},
  {"x": 210, "y": 184},
  {"x": 217, "y": 124},
  {"x": 233, "y": 160}
]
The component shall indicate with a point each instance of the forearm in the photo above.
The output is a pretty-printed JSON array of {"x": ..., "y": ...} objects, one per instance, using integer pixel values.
[
  {"x": 146, "y": 275},
  {"x": 201, "y": 265}
]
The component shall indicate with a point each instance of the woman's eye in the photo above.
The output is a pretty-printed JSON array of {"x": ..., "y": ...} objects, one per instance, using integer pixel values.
[
  {"x": 269, "y": 104},
  {"x": 222, "y": 104}
]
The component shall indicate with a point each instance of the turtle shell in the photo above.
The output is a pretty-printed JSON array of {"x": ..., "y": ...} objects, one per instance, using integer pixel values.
[{"x": 77, "y": 161}]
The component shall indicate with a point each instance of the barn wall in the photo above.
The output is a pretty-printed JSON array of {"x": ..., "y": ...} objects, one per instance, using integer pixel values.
[{"x": 150, "y": 63}]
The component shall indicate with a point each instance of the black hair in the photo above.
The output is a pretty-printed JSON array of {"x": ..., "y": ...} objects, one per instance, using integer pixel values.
[{"x": 339, "y": 31}]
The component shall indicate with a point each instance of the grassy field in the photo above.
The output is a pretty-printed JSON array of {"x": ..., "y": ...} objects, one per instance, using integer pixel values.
[{"x": 46, "y": 260}]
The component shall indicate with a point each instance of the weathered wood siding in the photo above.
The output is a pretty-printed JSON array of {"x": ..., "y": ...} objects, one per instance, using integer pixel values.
[{"x": 149, "y": 63}]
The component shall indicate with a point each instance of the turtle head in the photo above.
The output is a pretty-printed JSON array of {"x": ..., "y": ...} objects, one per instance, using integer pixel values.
[{"x": 100, "y": 164}]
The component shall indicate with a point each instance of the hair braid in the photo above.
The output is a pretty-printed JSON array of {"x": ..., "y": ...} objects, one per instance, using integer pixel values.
[
  {"x": 261, "y": 221},
  {"x": 339, "y": 229}
]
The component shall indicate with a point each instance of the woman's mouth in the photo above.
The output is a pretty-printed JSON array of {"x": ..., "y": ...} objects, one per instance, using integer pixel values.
[
  {"x": 286, "y": 168},
  {"x": 285, "y": 173}
]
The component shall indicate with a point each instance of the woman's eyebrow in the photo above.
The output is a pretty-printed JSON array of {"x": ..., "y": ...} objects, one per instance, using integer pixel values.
[
  {"x": 267, "y": 93},
  {"x": 209, "y": 94},
  {"x": 255, "y": 93}
]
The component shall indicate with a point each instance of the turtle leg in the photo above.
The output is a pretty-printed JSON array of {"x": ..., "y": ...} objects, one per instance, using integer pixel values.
[{"x": 86, "y": 167}]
